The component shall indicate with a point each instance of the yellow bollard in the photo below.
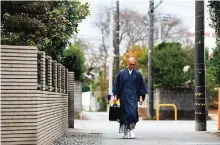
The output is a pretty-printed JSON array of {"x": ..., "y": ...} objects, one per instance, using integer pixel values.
[
  {"x": 168, "y": 105},
  {"x": 218, "y": 108}
]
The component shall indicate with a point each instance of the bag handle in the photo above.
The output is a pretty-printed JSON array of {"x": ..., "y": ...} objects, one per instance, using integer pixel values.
[{"x": 114, "y": 105}]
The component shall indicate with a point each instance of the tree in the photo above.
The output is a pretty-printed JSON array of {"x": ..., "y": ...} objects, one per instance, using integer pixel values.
[
  {"x": 136, "y": 52},
  {"x": 22, "y": 21},
  {"x": 215, "y": 62},
  {"x": 173, "y": 65},
  {"x": 214, "y": 10},
  {"x": 102, "y": 88},
  {"x": 134, "y": 27},
  {"x": 130, "y": 29},
  {"x": 93, "y": 57},
  {"x": 46, "y": 24},
  {"x": 74, "y": 60},
  {"x": 172, "y": 30},
  {"x": 190, "y": 61},
  {"x": 211, "y": 84},
  {"x": 168, "y": 63},
  {"x": 141, "y": 54}
]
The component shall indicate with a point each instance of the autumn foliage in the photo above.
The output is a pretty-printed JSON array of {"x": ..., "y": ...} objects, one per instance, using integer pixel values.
[{"x": 133, "y": 51}]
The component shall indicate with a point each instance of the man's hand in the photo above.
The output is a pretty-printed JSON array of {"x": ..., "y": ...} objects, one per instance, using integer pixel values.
[
  {"x": 115, "y": 99},
  {"x": 141, "y": 100}
]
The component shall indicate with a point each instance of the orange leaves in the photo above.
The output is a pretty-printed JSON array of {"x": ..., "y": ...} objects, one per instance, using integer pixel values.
[{"x": 134, "y": 51}]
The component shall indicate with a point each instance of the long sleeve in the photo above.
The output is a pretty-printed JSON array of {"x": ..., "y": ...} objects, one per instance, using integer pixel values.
[
  {"x": 116, "y": 90},
  {"x": 142, "y": 91}
]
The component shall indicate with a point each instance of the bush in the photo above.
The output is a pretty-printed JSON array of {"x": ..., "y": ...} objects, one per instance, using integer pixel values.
[{"x": 74, "y": 60}]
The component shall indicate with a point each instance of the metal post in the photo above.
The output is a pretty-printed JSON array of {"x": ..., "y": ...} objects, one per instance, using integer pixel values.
[
  {"x": 117, "y": 57},
  {"x": 111, "y": 49},
  {"x": 200, "y": 89},
  {"x": 150, "y": 56}
]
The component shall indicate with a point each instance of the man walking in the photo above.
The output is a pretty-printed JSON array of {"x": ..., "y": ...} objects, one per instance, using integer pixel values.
[{"x": 129, "y": 88}]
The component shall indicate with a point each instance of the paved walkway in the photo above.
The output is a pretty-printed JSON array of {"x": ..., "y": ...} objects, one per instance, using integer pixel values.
[{"x": 149, "y": 132}]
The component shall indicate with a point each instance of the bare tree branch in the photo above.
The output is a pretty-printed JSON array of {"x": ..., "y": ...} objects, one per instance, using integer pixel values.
[{"x": 134, "y": 27}]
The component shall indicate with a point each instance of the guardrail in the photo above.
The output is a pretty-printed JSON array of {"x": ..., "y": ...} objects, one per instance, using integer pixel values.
[{"x": 166, "y": 105}]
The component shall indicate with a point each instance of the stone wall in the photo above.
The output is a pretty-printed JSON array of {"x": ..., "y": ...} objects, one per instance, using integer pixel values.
[{"x": 34, "y": 96}]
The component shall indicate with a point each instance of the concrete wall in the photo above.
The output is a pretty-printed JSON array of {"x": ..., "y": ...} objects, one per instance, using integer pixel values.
[
  {"x": 183, "y": 98},
  {"x": 77, "y": 99},
  {"x": 52, "y": 116},
  {"x": 33, "y": 111},
  {"x": 19, "y": 95},
  {"x": 71, "y": 99},
  {"x": 86, "y": 101}
]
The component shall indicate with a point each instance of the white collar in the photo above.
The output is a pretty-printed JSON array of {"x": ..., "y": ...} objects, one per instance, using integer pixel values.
[{"x": 130, "y": 71}]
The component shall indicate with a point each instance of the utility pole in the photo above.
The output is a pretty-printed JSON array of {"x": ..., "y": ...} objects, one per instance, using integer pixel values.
[
  {"x": 200, "y": 88},
  {"x": 117, "y": 42},
  {"x": 111, "y": 48},
  {"x": 150, "y": 57}
]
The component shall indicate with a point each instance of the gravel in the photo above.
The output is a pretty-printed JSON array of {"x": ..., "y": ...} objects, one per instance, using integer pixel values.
[{"x": 77, "y": 138}]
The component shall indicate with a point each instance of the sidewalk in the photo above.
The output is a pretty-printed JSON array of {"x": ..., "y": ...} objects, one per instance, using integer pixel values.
[{"x": 150, "y": 132}]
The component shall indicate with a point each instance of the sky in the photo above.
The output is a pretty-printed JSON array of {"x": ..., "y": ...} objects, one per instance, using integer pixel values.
[{"x": 183, "y": 9}]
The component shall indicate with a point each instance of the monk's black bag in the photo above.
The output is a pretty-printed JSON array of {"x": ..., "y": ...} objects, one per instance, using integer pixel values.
[{"x": 114, "y": 112}]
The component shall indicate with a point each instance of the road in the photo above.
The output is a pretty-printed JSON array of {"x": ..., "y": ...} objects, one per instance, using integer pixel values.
[{"x": 149, "y": 132}]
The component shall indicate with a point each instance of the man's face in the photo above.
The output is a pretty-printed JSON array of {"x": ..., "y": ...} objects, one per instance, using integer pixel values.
[{"x": 131, "y": 64}]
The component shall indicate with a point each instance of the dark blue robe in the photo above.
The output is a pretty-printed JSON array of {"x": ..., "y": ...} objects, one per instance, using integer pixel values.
[{"x": 128, "y": 88}]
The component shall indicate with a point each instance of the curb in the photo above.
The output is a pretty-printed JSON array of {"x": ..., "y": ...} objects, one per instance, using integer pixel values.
[{"x": 75, "y": 130}]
